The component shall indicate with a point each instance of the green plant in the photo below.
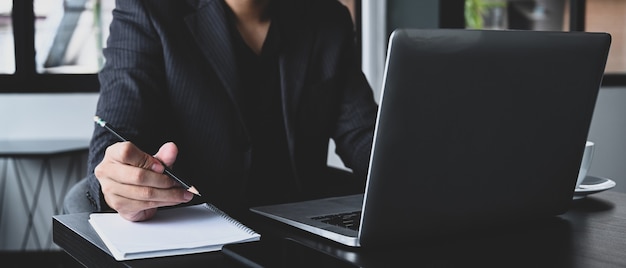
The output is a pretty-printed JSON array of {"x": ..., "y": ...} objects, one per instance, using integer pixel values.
[{"x": 476, "y": 9}]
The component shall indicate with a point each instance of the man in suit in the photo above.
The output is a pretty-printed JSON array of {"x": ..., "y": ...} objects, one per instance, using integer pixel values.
[{"x": 239, "y": 97}]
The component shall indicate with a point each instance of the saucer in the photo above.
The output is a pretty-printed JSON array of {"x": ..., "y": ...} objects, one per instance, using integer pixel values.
[{"x": 592, "y": 185}]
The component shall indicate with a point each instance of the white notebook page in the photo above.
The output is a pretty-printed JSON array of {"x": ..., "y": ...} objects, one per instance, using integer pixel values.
[{"x": 184, "y": 230}]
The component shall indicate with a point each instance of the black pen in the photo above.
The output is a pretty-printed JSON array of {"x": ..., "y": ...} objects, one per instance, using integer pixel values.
[{"x": 167, "y": 171}]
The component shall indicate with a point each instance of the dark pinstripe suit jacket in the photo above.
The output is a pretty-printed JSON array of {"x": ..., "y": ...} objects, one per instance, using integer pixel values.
[{"x": 170, "y": 75}]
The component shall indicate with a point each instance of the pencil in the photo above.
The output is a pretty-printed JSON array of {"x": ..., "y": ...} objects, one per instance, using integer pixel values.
[{"x": 167, "y": 171}]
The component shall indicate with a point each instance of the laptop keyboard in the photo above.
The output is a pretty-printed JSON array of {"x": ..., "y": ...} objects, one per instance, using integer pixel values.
[{"x": 350, "y": 220}]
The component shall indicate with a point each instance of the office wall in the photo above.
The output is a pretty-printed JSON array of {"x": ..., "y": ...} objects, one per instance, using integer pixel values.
[
  {"x": 33, "y": 187},
  {"x": 46, "y": 116},
  {"x": 413, "y": 14},
  {"x": 608, "y": 131}
]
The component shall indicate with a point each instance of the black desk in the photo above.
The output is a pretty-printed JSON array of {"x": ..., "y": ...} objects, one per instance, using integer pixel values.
[{"x": 591, "y": 234}]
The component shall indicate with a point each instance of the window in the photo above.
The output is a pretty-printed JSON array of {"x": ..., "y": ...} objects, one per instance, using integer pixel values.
[
  {"x": 52, "y": 45},
  {"x": 516, "y": 14},
  {"x": 609, "y": 16},
  {"x": 558, "y": 15},
  {"x": 7, "y": 49},
  {"x": 56, "y": 45},
  {"x": 68, "y": 36}
]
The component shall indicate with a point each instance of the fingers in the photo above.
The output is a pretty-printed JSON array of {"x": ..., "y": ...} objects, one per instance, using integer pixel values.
[
  {"x": 141, "y": 206},
  {"x": 128, "y": 154},
  {"x": 126, "y": 164},
  {"x": 144, "y": 207},
  {"x": 133, "y": 183},
  {"x": 141, "y": 215},
  {"x": 167, "y": 154}
]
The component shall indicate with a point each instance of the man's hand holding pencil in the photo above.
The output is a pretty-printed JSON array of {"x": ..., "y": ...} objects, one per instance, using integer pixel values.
[{"x": 135, "y": 183}]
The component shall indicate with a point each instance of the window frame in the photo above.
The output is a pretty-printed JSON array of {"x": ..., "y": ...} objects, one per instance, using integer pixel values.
[
  {"x": 578, "y": 13},
  {"x": 26, "y": 79},
  {"x": 452, "y": 18}
]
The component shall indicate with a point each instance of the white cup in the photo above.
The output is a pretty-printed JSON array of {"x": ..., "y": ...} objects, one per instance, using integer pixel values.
[{"x": 586, "y": 162}]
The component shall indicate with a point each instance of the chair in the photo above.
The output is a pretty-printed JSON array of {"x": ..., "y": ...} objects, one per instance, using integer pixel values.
[{"x": 76, "y": 201}]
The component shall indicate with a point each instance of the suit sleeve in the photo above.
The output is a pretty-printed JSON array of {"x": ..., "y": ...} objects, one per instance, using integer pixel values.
[
  {"x": 354, "y": 128},
  {"x": 130, "y": 95}
]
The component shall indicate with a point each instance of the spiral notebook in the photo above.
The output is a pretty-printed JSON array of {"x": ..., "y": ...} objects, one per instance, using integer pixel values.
[{"x": 176, "y": 231}]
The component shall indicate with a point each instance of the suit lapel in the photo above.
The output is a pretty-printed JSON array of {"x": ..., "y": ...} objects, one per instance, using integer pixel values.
[
  {"x": 296, "y": 45},
  {"x": 293, "y": 66},
  {"x": 209, "y": 23}
]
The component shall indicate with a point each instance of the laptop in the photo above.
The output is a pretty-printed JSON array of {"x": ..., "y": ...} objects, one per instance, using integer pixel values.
[{"x": 475, "y": 128}]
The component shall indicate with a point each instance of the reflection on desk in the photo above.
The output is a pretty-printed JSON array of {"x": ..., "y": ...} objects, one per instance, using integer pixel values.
[{"x": 591, "y": 234}]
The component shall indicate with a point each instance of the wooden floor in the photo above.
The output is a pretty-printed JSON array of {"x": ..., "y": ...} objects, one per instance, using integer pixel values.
[{"x": 52, "y": 259}]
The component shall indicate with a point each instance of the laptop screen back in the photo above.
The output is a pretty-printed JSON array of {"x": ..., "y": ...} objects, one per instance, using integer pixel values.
[{"x": 478, "y": 127}]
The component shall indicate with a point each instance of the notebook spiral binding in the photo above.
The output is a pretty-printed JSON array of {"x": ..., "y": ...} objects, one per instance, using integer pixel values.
[{"x": 230, "y": 219}]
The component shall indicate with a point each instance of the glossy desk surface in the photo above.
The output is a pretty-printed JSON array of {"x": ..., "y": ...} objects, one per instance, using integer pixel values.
[
  {"x": 591, "y": 234},
  {"x": 27, "y": 147}
]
